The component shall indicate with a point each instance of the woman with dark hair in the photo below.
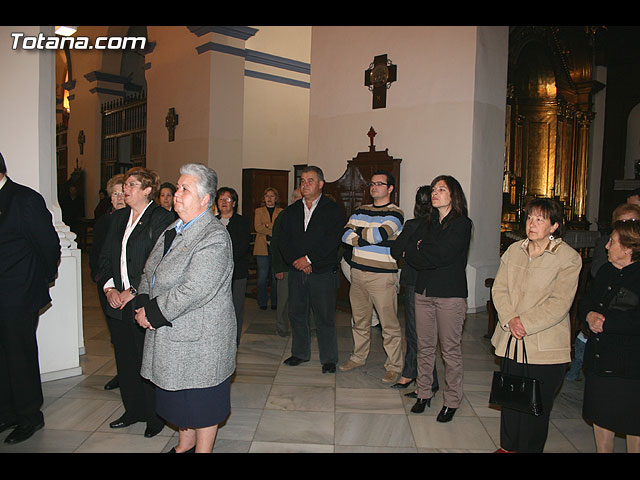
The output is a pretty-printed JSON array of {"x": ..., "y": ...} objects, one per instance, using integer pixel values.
[
  {"x": 532, "y": 293},
  {"x": 240, "y": 232},
  {"x": 132, "y": 234},
  {"x": 438, "y": 251},
  {"x": 263, "y": 220},
  {"x": 408, "y": 275},
  {"x": 166, "y": 193},
  {"x": 611, "y": 310}
]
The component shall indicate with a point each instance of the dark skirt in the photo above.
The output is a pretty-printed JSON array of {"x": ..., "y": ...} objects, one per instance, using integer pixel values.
[
  {"x": 195, "y": 408},
  {"x": 612, "y": 403}
]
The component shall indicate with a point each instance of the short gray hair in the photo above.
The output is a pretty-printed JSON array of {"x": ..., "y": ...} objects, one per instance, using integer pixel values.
[{"x": 206, "y": 179}]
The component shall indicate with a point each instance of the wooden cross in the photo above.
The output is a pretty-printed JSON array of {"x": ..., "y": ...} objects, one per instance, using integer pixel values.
[
  {"x": 81, "y": 141},
  {"x": 372, "y": 133},
  {"x": 378, "y": 78},
  {"x": 170, "y": 121}
]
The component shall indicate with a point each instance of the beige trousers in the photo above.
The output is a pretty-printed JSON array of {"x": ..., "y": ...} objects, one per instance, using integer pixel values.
[
  {"x": 369, "y": 290},
  {"x": 440, "y": 319}
]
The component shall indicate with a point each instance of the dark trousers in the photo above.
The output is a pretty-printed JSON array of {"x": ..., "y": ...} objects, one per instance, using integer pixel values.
[
  {"x": 410, "y": 369},
  {"x": 137, "y": 393},
  {"x": 20, "y": 388},
  {"x": 526, "y": 433},
  {"x": 317, "y": 291}
]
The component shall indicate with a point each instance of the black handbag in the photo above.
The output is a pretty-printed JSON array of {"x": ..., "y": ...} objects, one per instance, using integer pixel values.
[{"x": 518, "y": 392}]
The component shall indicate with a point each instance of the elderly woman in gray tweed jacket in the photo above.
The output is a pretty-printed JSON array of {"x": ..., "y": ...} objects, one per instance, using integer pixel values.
[{"x": 185, "y": 303}]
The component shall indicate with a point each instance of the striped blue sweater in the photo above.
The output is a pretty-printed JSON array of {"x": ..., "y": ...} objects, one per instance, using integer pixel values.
[{"x": 371, "y": 231}]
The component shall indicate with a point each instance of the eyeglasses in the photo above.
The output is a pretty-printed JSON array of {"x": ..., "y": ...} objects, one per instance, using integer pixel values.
[
  {"x": 132, "y": 184},
  {"x": 117, "y": 194},
  {"x": 377, "y": 184}
]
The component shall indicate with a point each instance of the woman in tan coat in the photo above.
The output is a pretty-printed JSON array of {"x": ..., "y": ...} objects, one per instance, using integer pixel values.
[
  {"x": 263, "y": 224},
  {"x": 532, "y": 293}
]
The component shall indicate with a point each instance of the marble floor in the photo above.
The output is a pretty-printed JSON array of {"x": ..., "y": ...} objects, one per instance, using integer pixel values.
[{"x": 278, "y": 408}]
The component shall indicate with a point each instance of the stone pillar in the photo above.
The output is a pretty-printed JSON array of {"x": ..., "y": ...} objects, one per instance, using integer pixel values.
[{"x": 27, "y": 136}]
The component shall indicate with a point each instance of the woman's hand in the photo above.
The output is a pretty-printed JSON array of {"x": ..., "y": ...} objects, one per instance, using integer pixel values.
[
  {"x": 516, "y": 328},
  {"x": 113, "y": 297},
  {"x": 279, "y": 276},
  {"x": 595, "y": 321},
  {"x": 141, "y": 318}
]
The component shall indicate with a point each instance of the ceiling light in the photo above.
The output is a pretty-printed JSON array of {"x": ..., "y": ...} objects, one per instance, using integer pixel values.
[{"x": 66, "y": 31}]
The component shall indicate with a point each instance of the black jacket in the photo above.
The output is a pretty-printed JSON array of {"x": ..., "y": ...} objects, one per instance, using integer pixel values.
[
  {"x": 141, "y": 241},
  {"x": 616, "y": 294},
  {"x": 321, "y": 240},
  {"x": 29, "y": 248},
  {"x": 441, "y": 258},
  {"x": 240, "y": 233},
  {"x": 408, "y": 274}
]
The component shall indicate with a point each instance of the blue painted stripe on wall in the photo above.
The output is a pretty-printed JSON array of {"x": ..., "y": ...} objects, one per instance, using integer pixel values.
[
  {"x": 276, "y": 78},
  {"x": 276, "y": 61}
]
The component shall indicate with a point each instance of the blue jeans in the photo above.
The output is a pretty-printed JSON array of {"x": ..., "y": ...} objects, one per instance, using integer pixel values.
[
  {"x": 317, "y": 292},
  {"x": 264, "y": 272}
]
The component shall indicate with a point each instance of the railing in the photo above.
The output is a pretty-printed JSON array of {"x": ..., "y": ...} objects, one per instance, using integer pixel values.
[{"x": 124, "y": 135}]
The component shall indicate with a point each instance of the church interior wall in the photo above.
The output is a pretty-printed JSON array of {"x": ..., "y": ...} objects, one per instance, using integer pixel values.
[{"x": 433, "y": 120}]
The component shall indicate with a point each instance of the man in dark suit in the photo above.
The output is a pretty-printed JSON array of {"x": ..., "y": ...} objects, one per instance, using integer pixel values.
[
  {"x": 310, "y": 235},
  {"x": 29, "y": 256}
]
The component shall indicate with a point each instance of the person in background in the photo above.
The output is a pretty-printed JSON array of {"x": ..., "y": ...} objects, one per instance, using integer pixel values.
[
  {"x": 408, "y": 276},
  {"x": 72, "y": 205},
  {"x": 634, "y": 197},
  {"x": 263, "y": 220},
  {"x": 132, "y": 234},
  {"x": 611, "y": 310},
  {"x": 240, "y": 232},
  {"x": 532, "y": 293},
  {"x": 311, "y": 231},
  {"x": 100, "y": 230},
  {"x": 371, "y": 231},
  {"x": 281, "y": 272},
  {"x": 104, "y": 204},
  {"x": 438, "y": 250},
  {"x": 625, "y": 211},
  {"x": 186, "y": 306},
  {"x": 165, "y": 197},
  {"x": 30, "y": 252}
]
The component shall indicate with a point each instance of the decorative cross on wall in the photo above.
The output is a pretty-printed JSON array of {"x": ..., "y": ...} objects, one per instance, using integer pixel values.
[
  {"x": 378, "y": 78},
  {"x": 81, "y": 141},
  {"x": 170, "y": 121}
]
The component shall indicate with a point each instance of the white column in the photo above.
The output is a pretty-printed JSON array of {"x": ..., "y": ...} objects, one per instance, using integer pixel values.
[{"x": 27, "y": 139}]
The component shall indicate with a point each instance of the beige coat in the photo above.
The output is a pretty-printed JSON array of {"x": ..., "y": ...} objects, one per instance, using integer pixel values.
[
  {"x": 263, "y": 225},
  {"x": 540, "y": 291}
]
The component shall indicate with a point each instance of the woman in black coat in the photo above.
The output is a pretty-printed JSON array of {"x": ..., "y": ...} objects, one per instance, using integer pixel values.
[
  {"x": 132, "y": 234},
  {"x": 240, "y": 232},
  {"x": 611, "y": 309},
  {"x": 408, "y": 277},
  {"x": 438, "y": 250}
]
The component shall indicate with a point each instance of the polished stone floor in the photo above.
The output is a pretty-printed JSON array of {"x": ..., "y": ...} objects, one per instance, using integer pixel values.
[{"x": 277, "y": 408}]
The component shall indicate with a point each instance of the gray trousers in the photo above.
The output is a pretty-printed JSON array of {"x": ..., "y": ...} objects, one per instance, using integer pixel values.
[{"x": 440, "y": 319}]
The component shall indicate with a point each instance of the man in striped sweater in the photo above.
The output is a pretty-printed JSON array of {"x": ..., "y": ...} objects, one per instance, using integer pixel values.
[{"x": 371, "y": 231}]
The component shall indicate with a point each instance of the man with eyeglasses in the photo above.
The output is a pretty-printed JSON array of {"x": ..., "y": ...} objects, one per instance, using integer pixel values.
[
  {"x": 309, "y": 238},
  {"x": 371, "y": 231}
]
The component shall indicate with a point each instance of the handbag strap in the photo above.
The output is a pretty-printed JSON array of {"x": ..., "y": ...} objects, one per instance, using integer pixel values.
[{"x": 515, "y": 354}]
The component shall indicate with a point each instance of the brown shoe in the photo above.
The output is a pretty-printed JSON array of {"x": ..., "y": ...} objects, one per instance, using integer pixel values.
[
  {"x": 390, "y": 377},
  {"x": 349, "y": 365}
]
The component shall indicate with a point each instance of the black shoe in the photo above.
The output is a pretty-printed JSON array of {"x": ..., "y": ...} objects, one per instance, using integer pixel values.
[
  {"x": 328, "y": 368},
  {"x": 122, "y": 422},
  {"x": 153, "y": 429},
  {"x": 446, "y": 414},
  {"x": 112, "y": 384},
  {"x": 191, "y": 450},
  {"x": 420, "y": 405},
  {"x": 7, "y": 425},
  {"x": 292, "y": 361},
  {"x": 403, "y": 385},
  {"x": 274, "y": 307},
  {"x": 263, "y": 308},
  {"x": 22, "y": 433},
  {"x": 411, "y": 394}
]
